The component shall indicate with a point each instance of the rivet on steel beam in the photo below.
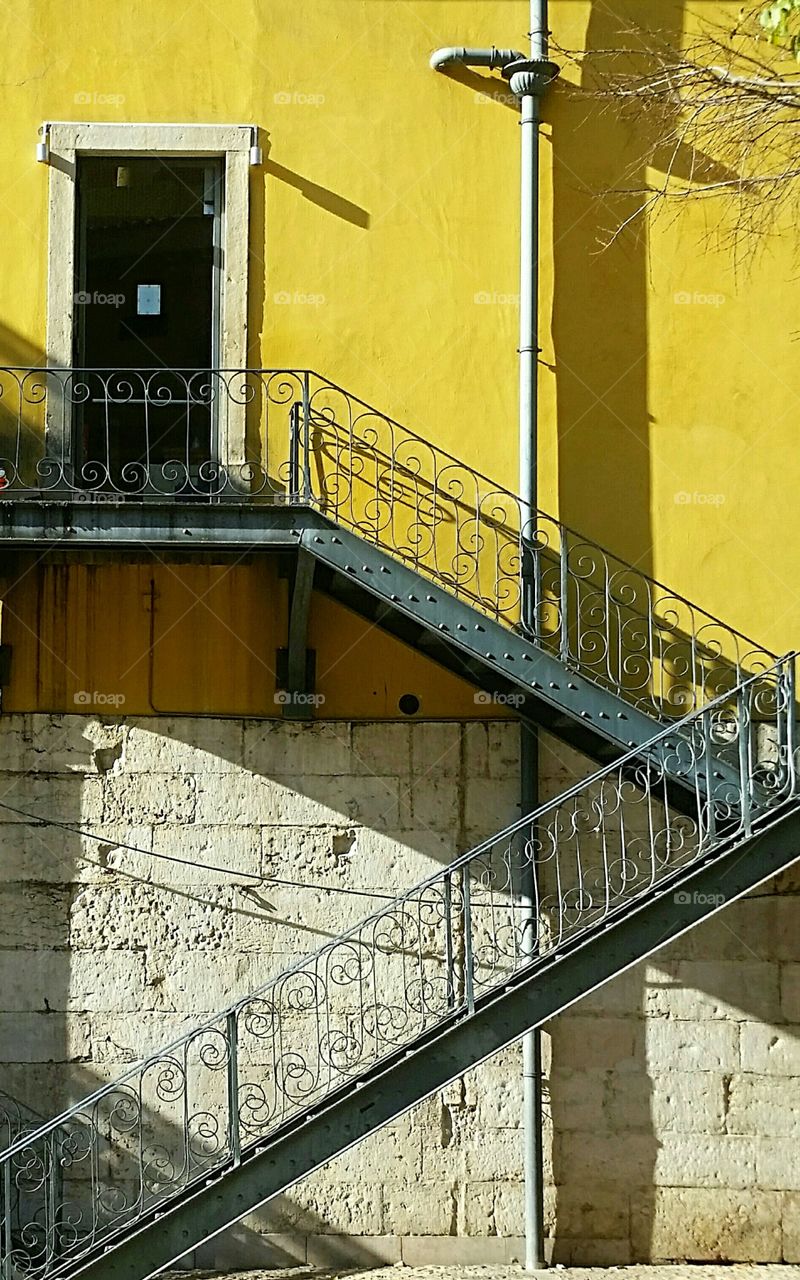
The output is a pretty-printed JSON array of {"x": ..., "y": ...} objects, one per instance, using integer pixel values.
[{"x": 414, "y": 599}]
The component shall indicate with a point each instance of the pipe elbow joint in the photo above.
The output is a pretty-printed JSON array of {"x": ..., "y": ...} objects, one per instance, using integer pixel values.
[{"x": 458, "y": 55}]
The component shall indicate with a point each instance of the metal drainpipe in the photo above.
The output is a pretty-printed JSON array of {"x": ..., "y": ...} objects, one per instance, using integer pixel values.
[{"x": 528, "y": 78}]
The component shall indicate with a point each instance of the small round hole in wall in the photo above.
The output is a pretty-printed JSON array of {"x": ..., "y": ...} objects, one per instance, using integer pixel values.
[{"x": 409, "y": 704}]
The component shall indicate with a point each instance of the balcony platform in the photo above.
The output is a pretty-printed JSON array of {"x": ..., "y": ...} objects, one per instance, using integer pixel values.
[{"x": 96, "y": 523}]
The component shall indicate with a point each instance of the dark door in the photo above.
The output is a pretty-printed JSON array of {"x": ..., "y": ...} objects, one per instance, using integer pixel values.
[{"x": 146, "y": 306}]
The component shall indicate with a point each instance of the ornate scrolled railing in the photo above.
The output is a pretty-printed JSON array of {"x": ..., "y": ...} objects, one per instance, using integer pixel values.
[
  {"x": 145, "y": 434},
  {"x": 291, "y": 436},
  {"x": 430, "y": 956},
  {"x": 600, "y": 615},
  {"x": 16, "y": 1121}
]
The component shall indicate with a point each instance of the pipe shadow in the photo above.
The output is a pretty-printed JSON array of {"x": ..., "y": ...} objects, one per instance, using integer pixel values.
[
  {"x": 603, "y": 424},
  {"x": 485, "y": 87}
]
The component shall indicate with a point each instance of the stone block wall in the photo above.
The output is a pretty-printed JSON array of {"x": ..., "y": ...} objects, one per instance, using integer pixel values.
[{"x": 672, "y": 1093}]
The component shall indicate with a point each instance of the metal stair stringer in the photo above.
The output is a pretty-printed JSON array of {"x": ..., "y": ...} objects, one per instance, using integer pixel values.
[{"x": 496, "y": 659}]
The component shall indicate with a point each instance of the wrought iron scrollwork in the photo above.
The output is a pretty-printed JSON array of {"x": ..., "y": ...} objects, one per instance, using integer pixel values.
[{"x": 291, "y": 436}]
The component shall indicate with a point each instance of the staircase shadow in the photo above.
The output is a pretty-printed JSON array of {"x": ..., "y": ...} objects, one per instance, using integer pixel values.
[{"x": 608, "y": 1079}]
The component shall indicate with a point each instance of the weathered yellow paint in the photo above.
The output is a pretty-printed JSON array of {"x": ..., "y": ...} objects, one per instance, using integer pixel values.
[
  {"x": 155, "y": 638},
  {"x": 392, "y": 192}
]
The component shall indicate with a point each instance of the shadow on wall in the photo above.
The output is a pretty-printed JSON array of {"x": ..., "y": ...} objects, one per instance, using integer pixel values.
[
  {"x": 327, "y": 200},
  {"x": 599, "y": 319},
  {"x": 599, "y": 333},
  {"x": 17, "y": 351},
  {"x": 646, "y": 1083},
  {"x": 108, "y": 954}
]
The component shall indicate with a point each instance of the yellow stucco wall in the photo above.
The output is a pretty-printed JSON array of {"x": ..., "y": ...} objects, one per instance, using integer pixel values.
[{"x": 393, "y": 192}]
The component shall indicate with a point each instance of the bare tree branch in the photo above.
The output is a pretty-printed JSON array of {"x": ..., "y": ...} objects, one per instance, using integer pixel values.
[{"x": 720, "y": 115}]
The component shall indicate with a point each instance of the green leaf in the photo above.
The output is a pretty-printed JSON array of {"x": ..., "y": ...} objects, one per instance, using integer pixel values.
[{"x": 779, "y": 21}]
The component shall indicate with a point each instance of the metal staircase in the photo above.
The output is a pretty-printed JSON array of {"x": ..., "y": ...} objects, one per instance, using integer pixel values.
[
  {"x": 401, "y": 512},
  {"x": 696, "y": 802},
  {"x": 516, "y": 602},
  {"x": 245, "y": 1105},
  {"x": 381, "y": 519}
]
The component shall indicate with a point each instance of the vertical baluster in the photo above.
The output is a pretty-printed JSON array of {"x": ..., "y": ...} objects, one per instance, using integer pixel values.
[
  {"x": 234, "y": 1135},
  {"x": 564, "y": 594},
  {"x": 294, "y": 451},
  {"x": 20, "y": 420},
  {"x": 54, "y": 1178},
  {"x": 469, "y": 975},
  {"x": 791, "y": 725},
  {"x": 745, "y": 794},
  {"x": 528, "y": 895},
  {"x": 146, "y": 399},
  {"x": 306, "y": 439},
  {"x": 49, "y": 1199},
  {"x": 527, "y": 593},
  {"x": 7, "y": 1244},
  {"x": 708, "y": 761},
  {"x": 697, "y": 678},
  {"x": 538, "y": 601},
  {"x": 104, "y": 383},
  {"x": 448, "y": 940}
]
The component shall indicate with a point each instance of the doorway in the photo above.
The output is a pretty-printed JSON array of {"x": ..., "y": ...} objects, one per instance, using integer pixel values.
[{"x": 146, "y": 321}]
